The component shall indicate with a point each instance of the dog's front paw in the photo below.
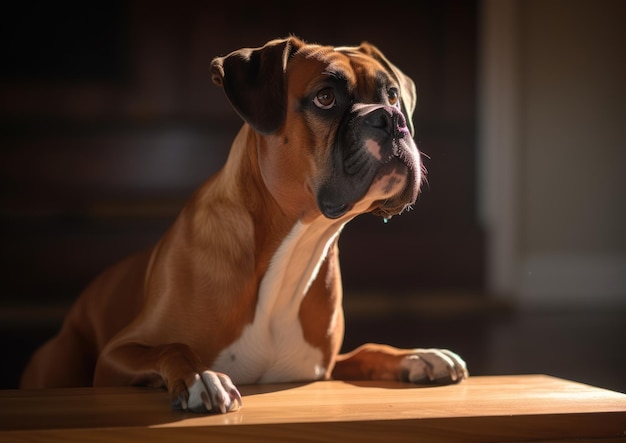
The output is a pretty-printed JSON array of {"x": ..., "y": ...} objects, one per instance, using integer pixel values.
[
  {"x": 438, "y": 366},
  {"x": 209, "y": 392}
]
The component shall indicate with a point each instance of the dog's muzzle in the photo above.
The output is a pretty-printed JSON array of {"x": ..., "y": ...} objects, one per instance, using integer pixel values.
[{"x": 373, "y": 142}]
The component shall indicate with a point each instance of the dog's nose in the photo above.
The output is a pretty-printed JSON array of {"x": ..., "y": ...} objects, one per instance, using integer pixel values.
[{"x": 388, "y": 119}]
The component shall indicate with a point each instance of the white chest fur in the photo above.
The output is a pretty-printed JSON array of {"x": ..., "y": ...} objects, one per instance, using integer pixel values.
[{"x": 272, "y": 348}]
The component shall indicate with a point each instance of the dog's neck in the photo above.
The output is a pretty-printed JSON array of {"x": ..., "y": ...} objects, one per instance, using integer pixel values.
[
  {"x": 290, "y": 245},
  {"x": 295, "y": 264}
]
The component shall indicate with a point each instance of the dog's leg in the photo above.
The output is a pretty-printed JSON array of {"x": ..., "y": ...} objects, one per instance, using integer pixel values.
[
  {"x": 382, "y": 362},
  {"x": 67, "y": 360},
  {"x": 191, "y": 385}
]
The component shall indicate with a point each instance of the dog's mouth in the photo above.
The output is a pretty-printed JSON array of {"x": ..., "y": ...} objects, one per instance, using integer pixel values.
[
  {"x": 374, "y": 160},
  {"x": 403, "y": 169}
]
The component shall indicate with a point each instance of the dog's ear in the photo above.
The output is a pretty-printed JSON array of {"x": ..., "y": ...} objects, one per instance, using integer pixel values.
[
  {"x": 254, "y": 82},
  {"x": 408, "y": 93}
]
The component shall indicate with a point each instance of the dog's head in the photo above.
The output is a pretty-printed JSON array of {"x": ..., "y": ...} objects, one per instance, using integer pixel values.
[{"x": 336, "y": 120}]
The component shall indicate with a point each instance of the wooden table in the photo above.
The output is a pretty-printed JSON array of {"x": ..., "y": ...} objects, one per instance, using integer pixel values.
[{"x": 490, "y": 409}]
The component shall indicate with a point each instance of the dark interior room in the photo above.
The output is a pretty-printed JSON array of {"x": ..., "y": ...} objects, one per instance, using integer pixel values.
[{"x": 109, "y": 121}]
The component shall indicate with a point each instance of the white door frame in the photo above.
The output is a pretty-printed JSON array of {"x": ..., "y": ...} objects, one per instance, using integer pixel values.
[{"x": 499, "y": 143}]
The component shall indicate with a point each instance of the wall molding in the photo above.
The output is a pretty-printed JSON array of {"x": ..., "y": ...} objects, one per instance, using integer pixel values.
[{"x": 499, "y": 143}]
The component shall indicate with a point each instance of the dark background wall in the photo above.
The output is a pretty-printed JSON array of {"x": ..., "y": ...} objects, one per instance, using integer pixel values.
[{"x": 108, "y": 121}]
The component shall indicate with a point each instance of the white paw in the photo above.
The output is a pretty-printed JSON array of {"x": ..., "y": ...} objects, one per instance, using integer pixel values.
[
  {"x": 210, "y": 392},
  {"x": 434, "y": 366}
]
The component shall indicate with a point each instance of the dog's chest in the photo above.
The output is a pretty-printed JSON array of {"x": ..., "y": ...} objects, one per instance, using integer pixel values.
[{"x": 272, "y": 348}]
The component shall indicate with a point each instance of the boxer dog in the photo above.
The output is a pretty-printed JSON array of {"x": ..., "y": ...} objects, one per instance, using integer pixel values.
[{"x": 245, "y": 286}]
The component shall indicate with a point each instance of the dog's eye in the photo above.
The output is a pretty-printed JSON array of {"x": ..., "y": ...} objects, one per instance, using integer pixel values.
[
  {"x": 325, "y": 99},
  {"x": 392, "y": 96}
]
